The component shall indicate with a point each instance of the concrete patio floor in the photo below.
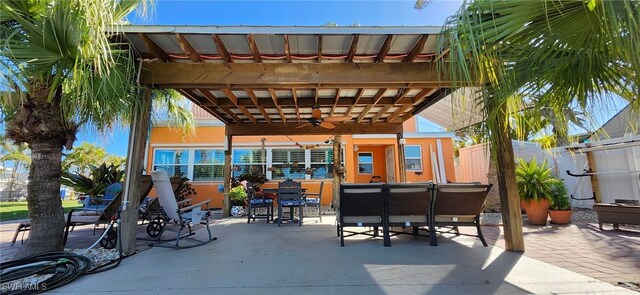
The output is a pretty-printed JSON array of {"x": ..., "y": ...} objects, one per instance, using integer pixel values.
[{"x": 262, "y": 258}]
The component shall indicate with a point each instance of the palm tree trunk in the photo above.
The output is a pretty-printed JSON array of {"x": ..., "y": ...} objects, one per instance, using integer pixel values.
[{"x": 45, "y": 207}]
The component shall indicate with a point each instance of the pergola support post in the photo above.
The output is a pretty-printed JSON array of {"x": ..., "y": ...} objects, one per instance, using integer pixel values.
[
  {"x": 595, "y": 186},
  {"x": 401, "y": 158},
  {"x": 138, "y": 134},
  {"x": 509, "y": 198},
  {"x": 338, "y": 170},
  {"x": 226, "y": 203}
]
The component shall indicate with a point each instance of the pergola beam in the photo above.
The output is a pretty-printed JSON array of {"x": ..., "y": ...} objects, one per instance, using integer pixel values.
[
  {"x": 188, "y": 49},
  {"x": 417, "y": 48},
  {"x": 222, "y": 50},
  {"x": 196, "y": 75},
  {"x": 352, "y": 49},
  {"x": 254, "y": 49},
  {"x": 293, "y": 129},
  {"x": 275, "y": 101},
  {"x": 384, "y": 49},
  {"x": 232, "y": 97},
  {"x": 154, "y": 48}
]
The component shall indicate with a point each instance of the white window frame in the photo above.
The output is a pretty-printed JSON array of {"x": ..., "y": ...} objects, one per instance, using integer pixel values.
[
  {"x": 419, "y": 158},
  {"x": 189, "y": 163},
  {"x": 192, "y": 163},
  {"x": 372, "y": 166}
]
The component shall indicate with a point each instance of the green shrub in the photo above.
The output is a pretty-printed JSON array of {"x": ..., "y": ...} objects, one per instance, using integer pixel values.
[
  {"x": 534, "y": 181},
  {"x": 559, "y": 197},
  {"x": 237, "y": 196}
]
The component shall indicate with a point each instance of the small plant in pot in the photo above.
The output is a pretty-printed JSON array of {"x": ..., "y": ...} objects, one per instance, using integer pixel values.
[
  {"x": 535, "y": 182},
  {"x": 238, "y": 198},
  {"x": 560, "y": 204}
]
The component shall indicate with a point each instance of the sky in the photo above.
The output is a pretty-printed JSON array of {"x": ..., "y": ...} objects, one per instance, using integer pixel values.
[{"x": 290, "y": 13}]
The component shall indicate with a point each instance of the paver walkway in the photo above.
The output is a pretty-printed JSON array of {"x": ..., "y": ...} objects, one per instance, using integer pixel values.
[{"x": 611, "y": 255}]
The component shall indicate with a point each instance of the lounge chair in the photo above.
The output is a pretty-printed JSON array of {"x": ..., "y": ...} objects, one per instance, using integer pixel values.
[
  {"x": 103, "y": 215},
  {"x": 458, "y": 205},
  {"x": 409, "y": 205},
  {"x": 315, "y": 199},
  {"x": 361, "y": 205},
  {"x": 182, "y": 217},
  {"x": 110, "y": 192}
]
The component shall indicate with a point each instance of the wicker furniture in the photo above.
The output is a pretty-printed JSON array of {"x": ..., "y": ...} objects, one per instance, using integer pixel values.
[
  {"x": 361, "y": 205},
  {"x": 408, "y": 205},
  {"x": 623, "y": 212}
]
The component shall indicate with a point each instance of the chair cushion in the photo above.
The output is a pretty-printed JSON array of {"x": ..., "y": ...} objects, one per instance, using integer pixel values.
[
  {"x": 292, "y": 203},
  {"x": 408, "y": 218},
  {"x": 449, "y": 218},
  {"x": 313, "y": 200},
  {"x": 362, "y": 219},
  {"x": 261, "y": 201}
]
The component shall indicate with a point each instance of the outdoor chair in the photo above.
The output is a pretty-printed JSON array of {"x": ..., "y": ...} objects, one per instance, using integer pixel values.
[
  {"x": 409, "y": 205},
  {"x": 458, "y": 205},
  {"x": 84, "y": 216},
  {"x": 315, "y": 199},
  {"x": 258, "y": 200},
  {"x": 182, "y": 217},
  {"x": 290, "y": 196},
  {"x": 110, "y": 193},
  {"x": 148, "y": 205},
  {"x": 361, "y": 205}
]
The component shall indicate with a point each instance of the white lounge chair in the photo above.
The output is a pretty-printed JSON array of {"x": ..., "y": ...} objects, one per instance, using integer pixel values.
[{"x": 182, "y": 217}]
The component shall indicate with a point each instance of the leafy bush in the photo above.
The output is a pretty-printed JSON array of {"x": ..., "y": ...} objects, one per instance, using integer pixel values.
[
  {"x": 95, "y": 185},
  {"x": 237, "y": 195},
  {"x": 256, "y": 179},
  {"x": 534, "y": 181},
  {"x": 559, "y": 197},
  {"x": 183, "y": 190}
]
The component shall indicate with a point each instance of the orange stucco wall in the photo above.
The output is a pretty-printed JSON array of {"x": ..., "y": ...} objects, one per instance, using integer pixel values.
[{"x": 213, "y": 136}]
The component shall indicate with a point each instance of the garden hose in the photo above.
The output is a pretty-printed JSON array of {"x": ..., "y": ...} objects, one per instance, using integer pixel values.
[{"x": 60, "y": 267}]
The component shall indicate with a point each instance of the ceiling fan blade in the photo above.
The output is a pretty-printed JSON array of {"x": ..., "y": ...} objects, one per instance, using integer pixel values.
[
  {"x": 316, "y": 113},
  {"x": 327, "y": 125},
  {"x": 303, "y": 125},
  {"x": 338, "y": 119}
]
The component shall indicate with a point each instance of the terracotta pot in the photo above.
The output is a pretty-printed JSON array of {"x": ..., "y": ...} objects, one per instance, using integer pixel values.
[
  {"x": 536, "y": 211},
  {"x": 560, "y": 216}
]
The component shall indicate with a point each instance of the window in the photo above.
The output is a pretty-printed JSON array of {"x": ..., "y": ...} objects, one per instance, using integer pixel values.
[
  {"x": 413, "y": 157},
  {"x": 247, "y": 161},
  {"x": 208, "y": 165},
  {"x": 288, "y": 163},
  {"x": 322, "y": 163},
  {"x": 175, "y": 162},
  {"x": 365, "y": 163}
]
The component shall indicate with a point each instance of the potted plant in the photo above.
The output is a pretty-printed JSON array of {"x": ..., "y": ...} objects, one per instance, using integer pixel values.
[
  {"x": 535, "y": 182},
  {"x": 238, "y": 197},
  {"x": 560, "y": 204}
]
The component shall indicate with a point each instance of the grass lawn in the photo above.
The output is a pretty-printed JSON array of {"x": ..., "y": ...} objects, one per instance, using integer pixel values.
[{"x": 18, "y": 210}]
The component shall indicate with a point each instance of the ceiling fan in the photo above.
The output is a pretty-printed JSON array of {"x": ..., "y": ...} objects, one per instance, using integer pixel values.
[{"x": 316, "y": 119}]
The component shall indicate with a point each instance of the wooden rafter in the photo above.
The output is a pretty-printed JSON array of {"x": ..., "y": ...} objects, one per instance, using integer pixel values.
[
  {"x": 188, "y": 49},
  {"x": 442, "y": 54},
  {"x": 211, "y": 98},
  {"x": 194, "y": 98},
  {"x": 254, "y": 48},
  {"x": 398, "y": 112},
  {"x": 222, "y": 50},
  {"x": 189, "y": 75},
  {"x": 287, "y": 49},
  {"x": 234, "y": 99},
  {"x": 156, "y": 50},
  {"x": 381, "y": 113},
  {"x": 294, "y": 129},
  {"x": 336, "y": 98},
  {"x": 319, "y": 48},
  {"x": 275, "y": 101},
  {"x": 384, "y": 49},
  {"x": 352, "y": 49},
  {"x": 355, "y": 101},
  {"x": 417, "y": 48},
  {"x": 254, "y": 99},
  {"x": 402, "y": 92},
  {"x": 302, "y": 102},
  {"x": 376, "y": 99},
  {"x": 295, "y": 102}
]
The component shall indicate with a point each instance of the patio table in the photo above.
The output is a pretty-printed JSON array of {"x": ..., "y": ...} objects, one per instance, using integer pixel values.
[{"x": 275, "y": 192}]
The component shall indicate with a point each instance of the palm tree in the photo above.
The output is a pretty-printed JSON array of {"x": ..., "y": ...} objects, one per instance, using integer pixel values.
[
  {"x": 63, "y": 71},
  {"x": 561, "y": 50},
  {"x": 18, "y": 155}
]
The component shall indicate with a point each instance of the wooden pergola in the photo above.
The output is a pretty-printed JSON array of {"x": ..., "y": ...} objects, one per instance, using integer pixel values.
[{"x": 267, "y": 80}]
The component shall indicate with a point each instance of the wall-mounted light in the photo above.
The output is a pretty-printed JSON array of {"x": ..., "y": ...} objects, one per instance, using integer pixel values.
[
  {"x": 402, "y": 141},
  {"x": 355, "y": 148}
]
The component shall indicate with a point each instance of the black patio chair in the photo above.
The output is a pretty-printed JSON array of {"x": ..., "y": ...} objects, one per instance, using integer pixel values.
[
  {"x": 458, "y": 205},
  {"x": 361, "y": 205},
  {"x": 408, "y": 205},
  {"x": 258, "y": 200},
  {"x": 290, "y": 196}
]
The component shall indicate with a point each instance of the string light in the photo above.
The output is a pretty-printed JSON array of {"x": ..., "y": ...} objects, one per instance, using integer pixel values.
[{"x": 308, "y": 147}]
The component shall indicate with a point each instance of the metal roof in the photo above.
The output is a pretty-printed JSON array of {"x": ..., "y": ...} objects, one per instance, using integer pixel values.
[{"x": 247, "y": 75}]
